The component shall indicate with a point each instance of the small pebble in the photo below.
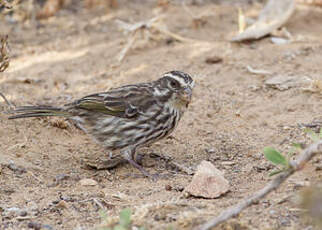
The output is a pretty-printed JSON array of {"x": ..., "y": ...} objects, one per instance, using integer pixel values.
[
  {"x": 61, "y": 177},
  {"x": 228, "y": 163},
  {"x": 23, "y": 213},
  {"x": 213, "y": 60},
  {"x": 211, "y": 150},
  {"x": 279, "y": 41},
  {"x": 62, "y": 204},
  {"x": 47, "y": 226},
  {"x": 168, "y": 187},
  {"x": 178, "y": 188},
  {"x": 272, "y": 212},
  {"x": 88, "y": 182},
  {"x": 34, "y": 225},
  {"x": 17, "y": 169}
]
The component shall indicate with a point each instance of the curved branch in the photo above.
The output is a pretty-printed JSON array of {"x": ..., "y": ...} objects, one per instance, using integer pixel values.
[{"x": 308, "y": 153}]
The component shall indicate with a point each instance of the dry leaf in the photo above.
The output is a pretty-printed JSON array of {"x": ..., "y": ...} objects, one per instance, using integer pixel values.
[{"x": 273, "y": 16}]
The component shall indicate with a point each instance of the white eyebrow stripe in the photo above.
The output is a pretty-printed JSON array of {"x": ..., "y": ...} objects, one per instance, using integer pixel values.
[
  {"x": 177, "y": 78},
  {"x": 182, "y": 78}
]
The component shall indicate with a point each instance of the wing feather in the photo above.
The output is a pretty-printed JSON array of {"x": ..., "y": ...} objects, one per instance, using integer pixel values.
[{"x": 126, "y": 101}]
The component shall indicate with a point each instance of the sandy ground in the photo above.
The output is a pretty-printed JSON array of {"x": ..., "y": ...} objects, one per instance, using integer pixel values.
[{"x": 233, "y": 116}]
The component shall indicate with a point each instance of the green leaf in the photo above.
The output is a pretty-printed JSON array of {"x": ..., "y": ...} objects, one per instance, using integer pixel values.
[
  {"x": 125, "y": 217},
  {"x": 274, "y": 156}
]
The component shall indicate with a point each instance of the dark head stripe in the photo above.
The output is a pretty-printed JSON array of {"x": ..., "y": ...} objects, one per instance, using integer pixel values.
[{"x": 186, "y": 77}]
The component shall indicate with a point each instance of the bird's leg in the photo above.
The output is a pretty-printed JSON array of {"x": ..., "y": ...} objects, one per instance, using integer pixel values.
[
  {"x": 128, "y": 154},
  {"x": 138, "y": 158}
]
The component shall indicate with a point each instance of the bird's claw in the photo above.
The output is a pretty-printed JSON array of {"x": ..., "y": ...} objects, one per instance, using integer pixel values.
[{"x": 154, "y": 177}]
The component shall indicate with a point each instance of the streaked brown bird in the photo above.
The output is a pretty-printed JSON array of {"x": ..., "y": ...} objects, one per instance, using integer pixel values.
[{"x": 127, "y": 117}]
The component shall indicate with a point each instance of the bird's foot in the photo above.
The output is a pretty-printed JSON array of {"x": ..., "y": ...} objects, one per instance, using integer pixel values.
[{"x": 154, "y": 177}]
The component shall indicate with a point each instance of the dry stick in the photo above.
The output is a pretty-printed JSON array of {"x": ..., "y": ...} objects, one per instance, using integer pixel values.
[
  {"x": 127, "y": 46},
  {"x": 132, "y": 29},
  {"x": 170, "y": 162},
  {"x": 296, "y": 165},
  {"x": 173, "y": 35},
  {"x": 195, "y": 17},
  {"x": 5, "y": 99},
  {"x": 11, "y": 106}
]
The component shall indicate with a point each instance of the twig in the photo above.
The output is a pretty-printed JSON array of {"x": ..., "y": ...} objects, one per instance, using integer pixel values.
[
  {"x": 98, "y": 203},
  {"x": 34, "y": 176},
  {"x": 258, "y": 71},
  {"x": 127, "y": 27},
  {"x": 296, "y": 165},
  {"x": 127, "y": 47},
  {"x": 199, "y": 19},
  {"x": 132, "y": 29},
  {"x": 170, "y": 162},
  {"x": 181, "y": 168},
  {"x": 150, "y": 26},
  {"x": 25, "y": 217},
  {"x": 142, "y": 211},
  {"x": 95, "y": 200},
  {"x": 12, "y": 106},
  {"x": 173, "y": 35},
  {"x": 185, "y": 7}
]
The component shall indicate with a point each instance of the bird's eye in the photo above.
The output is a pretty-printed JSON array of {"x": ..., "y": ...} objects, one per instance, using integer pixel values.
[{"x": 174, "y": 84}]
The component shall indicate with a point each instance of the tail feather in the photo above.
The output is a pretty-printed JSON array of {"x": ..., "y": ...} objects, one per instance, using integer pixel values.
[{"x": 38, "y": 111}]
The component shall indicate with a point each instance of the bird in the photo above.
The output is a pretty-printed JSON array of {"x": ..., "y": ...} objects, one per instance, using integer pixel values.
[{"x": 128, "y": 117}]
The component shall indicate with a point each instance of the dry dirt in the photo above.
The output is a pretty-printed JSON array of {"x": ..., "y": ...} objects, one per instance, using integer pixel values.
[{"x": 233, "y": 116}]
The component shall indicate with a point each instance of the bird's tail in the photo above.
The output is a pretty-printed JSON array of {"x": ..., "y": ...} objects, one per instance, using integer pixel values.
[{"x": 38, "y": 111}]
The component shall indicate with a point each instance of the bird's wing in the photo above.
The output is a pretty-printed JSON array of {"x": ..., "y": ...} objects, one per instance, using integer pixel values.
[{"x": 121, "y": 102}]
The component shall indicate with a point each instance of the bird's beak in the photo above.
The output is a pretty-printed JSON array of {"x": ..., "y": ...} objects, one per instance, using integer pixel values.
[{"x": 186, "y": 94}]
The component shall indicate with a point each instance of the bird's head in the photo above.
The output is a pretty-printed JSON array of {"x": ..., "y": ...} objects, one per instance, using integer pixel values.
[{"x": 178, "y": 87}]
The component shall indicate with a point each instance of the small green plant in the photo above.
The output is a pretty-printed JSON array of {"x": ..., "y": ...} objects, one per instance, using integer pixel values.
[
  {"x": 124, "y": 222},
  {"x": 278, "y": 159}
]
